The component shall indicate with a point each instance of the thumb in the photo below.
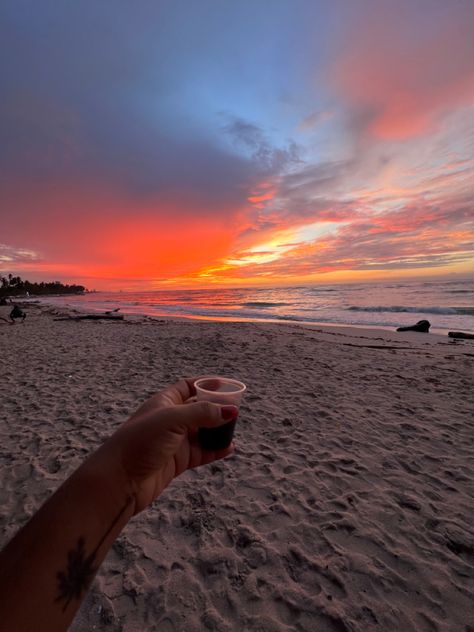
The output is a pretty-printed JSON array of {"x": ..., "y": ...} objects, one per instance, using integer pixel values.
[{"x": 200, "y": 415}]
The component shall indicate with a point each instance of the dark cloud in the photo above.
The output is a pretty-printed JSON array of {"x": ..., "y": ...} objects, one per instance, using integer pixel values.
[
  {"x": 267, "y": 157},
  {"x": 311, "y": 193},
  {"x": 91, "y": 98}
]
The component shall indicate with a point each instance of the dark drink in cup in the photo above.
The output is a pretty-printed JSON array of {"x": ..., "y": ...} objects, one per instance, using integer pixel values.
[
  {"x": 217, "y": 438},
  {"x": 224, "y": 391}
]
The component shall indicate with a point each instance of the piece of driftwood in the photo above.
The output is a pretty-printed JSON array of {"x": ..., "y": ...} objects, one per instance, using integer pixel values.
[
  {"x": 422, "y": 325},
  {"x": 350, "y": 344},
  {"x": 460, "y": 334},
  {"x": 93, "y": 317}
]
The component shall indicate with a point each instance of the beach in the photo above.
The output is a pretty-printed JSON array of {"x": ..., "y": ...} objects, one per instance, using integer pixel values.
[{"x": 347, "y": 506}]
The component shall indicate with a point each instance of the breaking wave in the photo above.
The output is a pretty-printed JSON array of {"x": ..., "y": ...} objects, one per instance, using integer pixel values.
[
  {"x": 264, "y": 304},
  {"x": 413, "y": 310}
]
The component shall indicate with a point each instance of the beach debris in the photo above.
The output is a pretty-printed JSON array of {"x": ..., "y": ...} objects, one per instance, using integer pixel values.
[
  {"x": 106, "y": 316},
  {"x": 421, "y": 325},
  {"x": 460, "y": 334}
]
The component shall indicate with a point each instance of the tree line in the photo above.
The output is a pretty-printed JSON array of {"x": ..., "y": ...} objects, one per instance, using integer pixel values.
[{"x": 14, "y": 285}]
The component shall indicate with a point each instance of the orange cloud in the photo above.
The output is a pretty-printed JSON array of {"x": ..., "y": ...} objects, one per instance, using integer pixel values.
[
  {"x": 420, "y": 236},
  {"x": 261, "y": 198},
  {"x": 94, "y": 235},
  {"x": 262, "y": 194}
]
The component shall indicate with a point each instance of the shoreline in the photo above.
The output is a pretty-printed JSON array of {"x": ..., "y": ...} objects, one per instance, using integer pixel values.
[{"x": 434, "y": 331}]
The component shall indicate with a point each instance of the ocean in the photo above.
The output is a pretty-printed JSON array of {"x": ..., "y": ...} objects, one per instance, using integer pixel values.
[{"x": 448, "y": 305}]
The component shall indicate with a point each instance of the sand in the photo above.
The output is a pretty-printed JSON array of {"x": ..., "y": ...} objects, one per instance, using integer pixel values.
[{"x": 348, "y": 505}]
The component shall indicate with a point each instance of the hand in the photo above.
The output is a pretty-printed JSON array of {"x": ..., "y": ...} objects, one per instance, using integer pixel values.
[{"x": 159, "y": 442}]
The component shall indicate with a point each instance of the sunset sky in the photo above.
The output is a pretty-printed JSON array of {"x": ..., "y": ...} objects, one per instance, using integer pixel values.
[{"x": 193, "y": 143}]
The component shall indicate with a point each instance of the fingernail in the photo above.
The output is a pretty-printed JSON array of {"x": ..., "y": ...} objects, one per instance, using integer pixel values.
[{"x": 229, "y": 412}]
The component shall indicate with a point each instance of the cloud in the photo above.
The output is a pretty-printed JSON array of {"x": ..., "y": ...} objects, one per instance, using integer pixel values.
[
  {"x": 78, "y": 91},
  {"x": 11, "y": 256},
  {"x": 314, "y": 119},
  {"x": 264, "y": 154},
  {"x": 414, "y": 237},
  {"x": 402, "y": 67}
]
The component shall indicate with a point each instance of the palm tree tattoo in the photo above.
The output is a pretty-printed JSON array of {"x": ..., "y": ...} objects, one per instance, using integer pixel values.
[{"x": 81, "y": 567}]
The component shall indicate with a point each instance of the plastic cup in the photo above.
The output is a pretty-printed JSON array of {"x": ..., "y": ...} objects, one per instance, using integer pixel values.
[{"x": 219, "y": 390}]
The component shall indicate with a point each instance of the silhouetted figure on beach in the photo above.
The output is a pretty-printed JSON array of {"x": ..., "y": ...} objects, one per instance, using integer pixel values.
[{"x": 17, "y": 313}]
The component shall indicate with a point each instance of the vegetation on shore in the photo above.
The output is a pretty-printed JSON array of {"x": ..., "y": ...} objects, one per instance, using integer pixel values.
[{"x": 15, "y": 286}]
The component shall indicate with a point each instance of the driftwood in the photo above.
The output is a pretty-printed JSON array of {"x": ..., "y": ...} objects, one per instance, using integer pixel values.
[
  {"x": 108, "y": 316},
  {"x": 422, "y": 325},
  {"x": 460, "y": 334},
  {"x": 350, "y": 344}
]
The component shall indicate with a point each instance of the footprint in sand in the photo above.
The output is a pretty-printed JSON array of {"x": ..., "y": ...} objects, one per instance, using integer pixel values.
[{"x": 166, "y": 625}]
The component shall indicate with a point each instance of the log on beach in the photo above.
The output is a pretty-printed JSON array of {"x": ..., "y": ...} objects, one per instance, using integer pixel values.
[
  {"x": 460, "y": 334},
  {"x": 108, "y": 316},
  {"x": 422, "y": 325}
]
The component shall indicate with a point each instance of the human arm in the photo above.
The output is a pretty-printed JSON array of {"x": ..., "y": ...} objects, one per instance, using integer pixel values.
[{"x": 47, "y": 567}]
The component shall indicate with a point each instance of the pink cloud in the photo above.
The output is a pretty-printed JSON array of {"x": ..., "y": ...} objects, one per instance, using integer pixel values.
[{"x": 398, "y": 73}]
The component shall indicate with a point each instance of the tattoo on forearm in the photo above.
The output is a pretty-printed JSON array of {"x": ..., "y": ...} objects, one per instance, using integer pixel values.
[{"x": 81, "y": 568}]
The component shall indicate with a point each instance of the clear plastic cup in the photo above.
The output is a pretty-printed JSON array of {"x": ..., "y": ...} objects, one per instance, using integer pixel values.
[{"x": 219, "y": 390}]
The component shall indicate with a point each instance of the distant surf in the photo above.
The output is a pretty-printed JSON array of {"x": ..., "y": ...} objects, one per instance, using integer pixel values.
[
  {"x": 413, "y": 310},
  {"x": 264, "y": 304}
]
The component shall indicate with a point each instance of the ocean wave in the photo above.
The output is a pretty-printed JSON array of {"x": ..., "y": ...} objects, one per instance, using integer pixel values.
[
  {"x": 264, "y": 304},
  {"x": 230, "y": 314},
  {"x": 413, "y": 310},
  {"x": 320, "y": 290}
]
